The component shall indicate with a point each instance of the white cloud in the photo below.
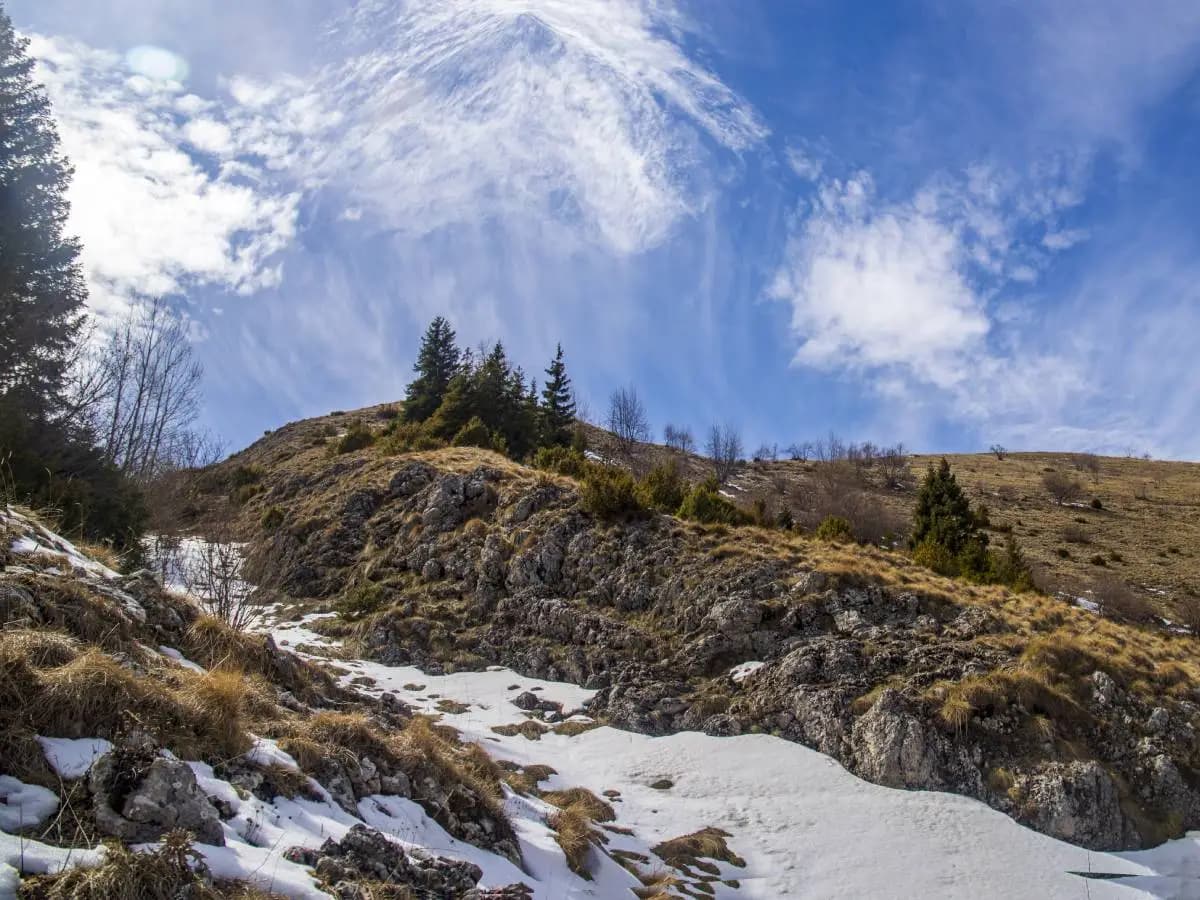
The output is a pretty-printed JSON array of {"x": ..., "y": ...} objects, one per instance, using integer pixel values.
[
  {"x": 151, "y": 218},
  {"x": 906, "y": 294},
  {"x": 580, "y": 113},
  {"x": 1064, "y": 239}
]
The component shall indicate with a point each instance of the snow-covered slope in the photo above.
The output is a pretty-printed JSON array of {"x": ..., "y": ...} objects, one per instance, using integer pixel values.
[{"x": 805, "y": 826}]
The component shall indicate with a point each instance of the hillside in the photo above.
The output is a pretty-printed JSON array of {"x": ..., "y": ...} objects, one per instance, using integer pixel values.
[
  {"x": 1147, "y": 531},
  {"x": 456, "y": 559}
]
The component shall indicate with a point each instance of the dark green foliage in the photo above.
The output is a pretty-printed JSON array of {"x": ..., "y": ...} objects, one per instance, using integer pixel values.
[
  {"x": 244, "y": 475},
  {"x": 357, "y": 437},
  {"x": 438, "y": 361},
  {"x": 272, "y": 518},
  {"x": 473, "y": 434},
  {"x": 943, "y": 514},
  {"x": 407, "y": 437},
  {"x": 361, "y": 600},
  {"x": 610, "y": 492},
  {"x": 558, "y": 408},
  {"x": 42, "y": 290},
  {"x": 704, "y": 503},
  {"x": 662, "y": 489},
  {"x": 1009, "y": 567},
  {"x": 52, "y": 466},
  {"x": 496, "y": 394},
  {"x": 835, "y": 530},
  {"x": 563, "y": 460}
]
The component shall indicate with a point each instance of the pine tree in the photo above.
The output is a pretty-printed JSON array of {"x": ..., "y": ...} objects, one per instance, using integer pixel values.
[
  {"x": 438, "y": 361},
  {"x": 943, "y": 515},
  {"x": 42, "y": 290},
  {"x": 558, "y": 408}
]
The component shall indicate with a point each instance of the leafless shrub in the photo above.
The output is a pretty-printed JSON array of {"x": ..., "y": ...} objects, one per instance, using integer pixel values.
[
  {"x": 1117, "y": 601},
  {"x": 627, "y": 419},
  {"x": 829, "y": 449},
  {"x": 766, "y": 453},
  {"x": 1007, "y": 493},
  {"x": 679, "y": 439},
  {"x": 1187, "y": 613},
  {"x": 800, "y": 451},
  {"x": 999, "y": 451},
  {"x": 1087, "y": 462},
  {"x": 893, "y": 466},
  {"x": 209, "y": 570},
  {"x": 724, "y": 448},
  {"x": 1063, "y": 488},
  {"x": 1076, "y": 534}
]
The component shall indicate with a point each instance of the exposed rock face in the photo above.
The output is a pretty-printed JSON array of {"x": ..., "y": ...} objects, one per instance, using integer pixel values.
[
  {"x": 365, "y": 855},
  {"x": 484, "y": 567},
  {"x": 139, "y": 801}
]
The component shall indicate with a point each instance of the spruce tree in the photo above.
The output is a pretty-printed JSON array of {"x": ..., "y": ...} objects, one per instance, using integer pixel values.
[
  {"x": 943, "y": 515},
  {"x": 42, "y": 290},
  {"x": 558, "y": 408},
  {"x": 438, "y": 361}
]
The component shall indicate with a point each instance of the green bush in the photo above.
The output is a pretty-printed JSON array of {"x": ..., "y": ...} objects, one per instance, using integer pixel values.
[
  {"x": 563, "y": 460},
  {"x": 785, "y": 520},
  {"x": 704, "y": 503},
  {"x": 272, "y": 518},
  {"x": 361, "y": 600},
  {"x": 356, "y": 437},
  {"x": 662, "y": 488},
  {"x": 242, "y": 495},
  {"x": 244, "y": 475},
  {"x": 1008, "y": 567},
  {"x": 836, "y": 530},
  {"x": 933, "y": 555},
  {"x": 473, "y": 434},
  {"x": 610, "y": 492},
  {"x": 407, "y": 437}
]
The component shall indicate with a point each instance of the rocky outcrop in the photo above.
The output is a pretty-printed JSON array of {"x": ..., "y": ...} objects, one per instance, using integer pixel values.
[
  {"x": 138, "y": 797},
  {"x": 490, "y": 567},
  {"x": 364, "y": 857}
]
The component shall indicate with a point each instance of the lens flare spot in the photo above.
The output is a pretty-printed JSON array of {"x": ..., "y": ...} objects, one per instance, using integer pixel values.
[{"x": 157, "y": 63}]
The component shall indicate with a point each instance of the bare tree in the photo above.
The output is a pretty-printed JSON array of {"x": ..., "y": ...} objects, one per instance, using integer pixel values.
[
  {"x": 679, "y": 439},
  {"x": 1000, "y": 451},
  {"x": 766, "y": 453},
  {"x": 1063, "y": 488},
  {"x": 893, "y": 465},
  {"x": 1087, "y": 462},
  {"x": 627, "y": 419},
  {"x": 800, "y": 451},
  {"x": 140, "y": 392},
  {"x": 211, "y": 571},
  {"x": 724, "y": 448}
]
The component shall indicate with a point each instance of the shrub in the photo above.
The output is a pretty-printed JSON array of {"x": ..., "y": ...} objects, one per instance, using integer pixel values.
[
  {"x": 1062, "y": 552},
  {"x": 1075, "y": 534},
  {"x": 704, "y": 503},
  {"x": 609, "y": 492},
  {"x": 662, "y": 488},
  {"x": 1009, "y": 567},
  {"x": 361, "y": 600},
  {"x": 1098, "y": 560},
  {"x": 1096, "y": 504},
  {"x": 563, "y": 460},
  {"x": 785, "y": 520},
  {"x": 836, "y": 530},
  {"x": 272, "y": 518},
  {"x": 943, "y": 514},
  {"x": 1061, "y": 487},
  {"x": 473, "y": 434},
  {"x": 387, "y": 413},
  {"x": 933, "y": 555},
  {"x": 1187, "y": 612},
  {"x": 407, "y": 437},
  {"x": 244, "y": 475},
  {"x": 356, "y": 437},
  {"x": 1117, "y": 601}
]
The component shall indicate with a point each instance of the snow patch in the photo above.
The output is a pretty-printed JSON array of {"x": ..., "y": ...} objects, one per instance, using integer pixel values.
[
  {"x": 742, "y": 671},
  {"x": 24, "y": 805},
  {"x": 172, "y": 653},
  {"x": 72, "y": 757}
]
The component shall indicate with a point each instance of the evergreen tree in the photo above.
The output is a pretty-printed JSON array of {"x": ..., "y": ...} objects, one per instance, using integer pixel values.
[
  {"x": 558, "y": 408},
  {"x": 42, "y": 290},
  {"x": 438, "y": 361},
  {"x": 943, "y": 515}
]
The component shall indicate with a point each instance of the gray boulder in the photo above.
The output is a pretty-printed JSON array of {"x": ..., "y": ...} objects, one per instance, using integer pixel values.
[{"x": 140, "y": 800}]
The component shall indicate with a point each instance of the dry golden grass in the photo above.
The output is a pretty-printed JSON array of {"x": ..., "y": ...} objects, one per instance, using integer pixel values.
[
  {"x": 104, "y": 554},
  {"x": 166, "y": 873},
  {"x": 582, "y": 800},
  {"x": 697, "y": 850},
  {"x": 575, "y": 835}
]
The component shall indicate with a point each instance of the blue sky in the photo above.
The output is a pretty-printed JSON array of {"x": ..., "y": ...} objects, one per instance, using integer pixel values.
[{"x": 946, "y": 223}]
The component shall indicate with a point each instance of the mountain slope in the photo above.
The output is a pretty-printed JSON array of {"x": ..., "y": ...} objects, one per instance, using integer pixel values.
[{"x": 1075, "y": 725}]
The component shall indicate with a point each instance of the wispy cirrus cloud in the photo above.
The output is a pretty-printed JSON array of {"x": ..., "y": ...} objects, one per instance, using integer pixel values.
[{"x": 157, "y": 196}]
